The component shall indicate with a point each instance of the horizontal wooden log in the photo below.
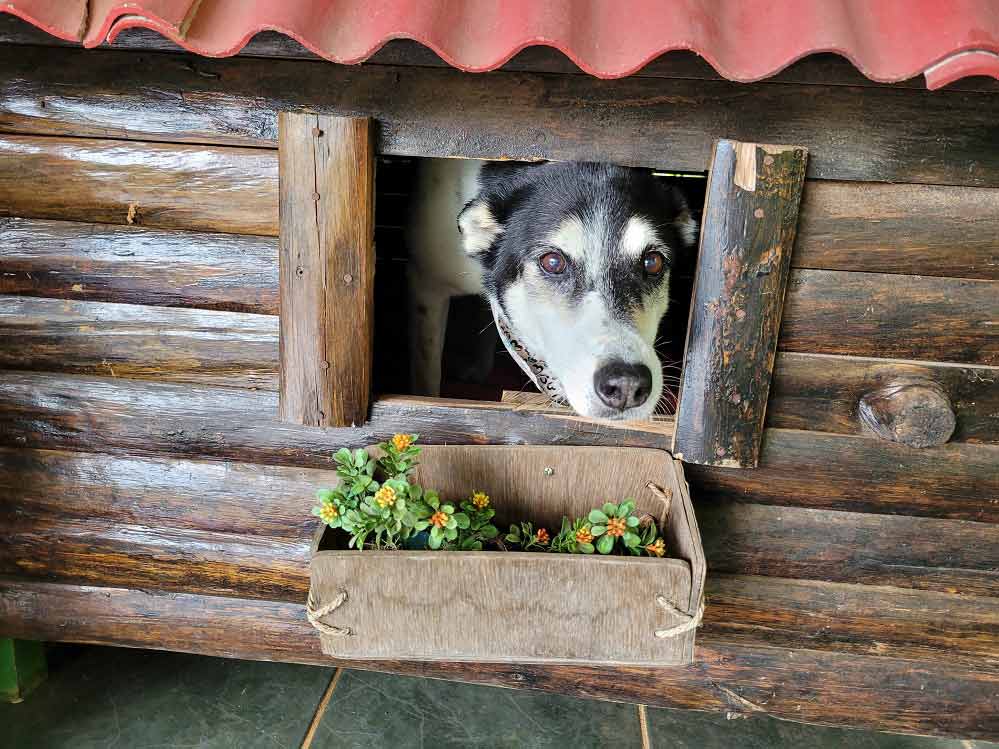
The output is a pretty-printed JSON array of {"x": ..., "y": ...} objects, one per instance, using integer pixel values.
[
  {"x": 126, "y": 340},
  {"x": 138, "y": 265},
  {"x": 902, "y": 317},
  {"x": 822, "y": 392},
  {"x": 106, "y": 500},
  {"x": 797, "y": 467},
  {"x": 816, "y": 68},
  {"x": 800, "y": 685},
  {"x": 930, "y": 230},
  {"x": 201, "y": 188},
  {"x": 853, "y": 133},
  {"x": 950, "y": 556}
]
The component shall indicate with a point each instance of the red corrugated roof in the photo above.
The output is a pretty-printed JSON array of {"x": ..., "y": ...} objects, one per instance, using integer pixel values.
[{"x": 744, "y": 40}]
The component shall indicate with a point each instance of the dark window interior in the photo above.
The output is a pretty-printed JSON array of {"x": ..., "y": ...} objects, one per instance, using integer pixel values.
[{"x": 468, "y": 369}]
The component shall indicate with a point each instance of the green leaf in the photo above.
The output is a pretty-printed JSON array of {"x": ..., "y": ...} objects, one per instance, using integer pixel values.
[
  {"x": 316, "y": 511},
  {"x": 489, "y": 531},
  {"x": 448, "y": 509},
  {"x": 435, "y": 541},
  {"x": 436, "y": 532},
  {"x": 631, "y": 540},
  {"x": 360, "y": 458},
  {"x": 610, "y": 510},
  {"x": 605, "y": 544},
  {"x": 325, "y": 495},
  {"x": 421, "y": 525},
  {"x": 462, "y": 520},
  {"x": 512, "y": 538},
  {"x": 597, "y": 517},
  {"x": 432, "y": 498},
  {"x": 342, "y": 455},
  {"x": 626, "y": 508},
  {"x": 451, "y": 523},
  {"x": 598, "y": 530},
  {"x": 585, "y": 548},
  {"x": 450, "y": 533},
  {"x": 632, "y": 521}
]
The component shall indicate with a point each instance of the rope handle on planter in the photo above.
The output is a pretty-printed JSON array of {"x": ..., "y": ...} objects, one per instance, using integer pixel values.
[
  {"x": 691, "y": 622},
  {"x": 315, "y": 614}
]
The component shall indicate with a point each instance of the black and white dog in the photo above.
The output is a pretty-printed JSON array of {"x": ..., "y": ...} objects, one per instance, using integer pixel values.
[{"x": 574, "y": 260}]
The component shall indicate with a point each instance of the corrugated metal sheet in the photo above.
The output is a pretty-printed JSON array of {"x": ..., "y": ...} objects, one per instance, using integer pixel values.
[{"x": 744, "y": 40}]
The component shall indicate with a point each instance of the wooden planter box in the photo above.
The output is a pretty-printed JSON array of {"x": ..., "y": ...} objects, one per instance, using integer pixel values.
[{"x": 520, "y": 606}]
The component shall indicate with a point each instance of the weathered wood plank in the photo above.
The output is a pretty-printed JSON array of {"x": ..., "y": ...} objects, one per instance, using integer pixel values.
[
  {"x": 949, "y": 556},
  {"x": 797, "y": 467},
  {"x": 930, "y": 230},
  {"x": 170, "y": 186},
  {"x": 796, "y": 684},
  {"x": 135, "y": 341},
  {"x": 138, "y": 265},
  {"x": 862, "y": 619},
  {"x": 327, "y": 269},
  {"x": 910, "y": 136},
  {"x": 821, "y": 392},
  {"x": 817, "y": 68},
  {"x": 902, "y": 317},
  {"x": 115, "y": 514},
  {"x": 748, "y": 227}
]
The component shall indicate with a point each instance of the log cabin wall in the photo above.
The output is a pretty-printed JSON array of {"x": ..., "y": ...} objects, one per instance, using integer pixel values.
[{"x": 139, "y": 449}]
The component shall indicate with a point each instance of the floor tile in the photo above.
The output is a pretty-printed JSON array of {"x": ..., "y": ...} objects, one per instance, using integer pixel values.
[
  {"x": 131, "y": 699},
  {"x": 379, "y": 710},
  {"x": 686, "y": 729}
]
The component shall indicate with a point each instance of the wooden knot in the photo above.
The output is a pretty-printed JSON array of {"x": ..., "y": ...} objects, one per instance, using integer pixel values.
[{"x": 912, "y": 411}]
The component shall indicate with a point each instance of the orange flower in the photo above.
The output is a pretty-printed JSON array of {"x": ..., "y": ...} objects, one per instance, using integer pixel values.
[
  {"x": 439, "y": 519},
  {"x": 328, "y": 512},
  {"x": 480, "y": 500},
  {"x": 657, "y": 549},
  {"x": 385, "y": 497},
  {"x": 583, "y": 535},
  {"x": 616, "y": 526},
  {"x": 401, "y": 441},
  {"x": 541, "y": 536}
]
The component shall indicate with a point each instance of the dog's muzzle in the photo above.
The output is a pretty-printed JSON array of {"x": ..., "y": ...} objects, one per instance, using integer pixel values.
[{"x": 533, "y": 367}]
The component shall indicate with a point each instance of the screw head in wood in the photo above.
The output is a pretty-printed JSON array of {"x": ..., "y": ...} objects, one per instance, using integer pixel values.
[
  {"x": 348, "y": 279},
  {"x": 315, "y": 196},
  {"x": 317, "y": 132},
  {"x": 300, "y": 271},
  {"x": 758, "y": 213},
  {"x": 549, "y": 471},
  {"x": 325, "y": 365}
]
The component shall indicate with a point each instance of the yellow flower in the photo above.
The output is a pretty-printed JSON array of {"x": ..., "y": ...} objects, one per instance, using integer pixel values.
[
  {"x": 480, "y": 500},
  {"x": 439, "y": 519},
  {"x": 385, "y": 497},
  {"x": 328, "y": 512},
  {"x": 401, "y": 441},
  {"x": 583, "y": 535},
  {"x": 658, "y": 548},
  {"x": 616, "y": 526}
]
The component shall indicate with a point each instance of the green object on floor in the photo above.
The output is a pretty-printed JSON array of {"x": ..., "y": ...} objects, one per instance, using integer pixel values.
[{"x": 22, "y": 668}]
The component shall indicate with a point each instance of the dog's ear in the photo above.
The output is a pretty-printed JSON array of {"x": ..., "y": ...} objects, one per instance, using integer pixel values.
[
  {"x": 479, "y": 226},
  {"x": 684, "y": 223}
]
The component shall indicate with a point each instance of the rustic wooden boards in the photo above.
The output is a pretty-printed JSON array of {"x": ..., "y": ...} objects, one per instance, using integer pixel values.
[
  {"x": 853, "y": 133},
  {"x": 747, "y": 233},
  {"x": 148, "y": 418},
  {"x": 810, "y": 685},
  {"x": 327, "y": 269}
]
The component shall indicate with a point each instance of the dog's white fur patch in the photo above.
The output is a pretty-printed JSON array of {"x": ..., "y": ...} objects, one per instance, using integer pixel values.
[
  {"x": 571, "y": 238},
  {"x": 479, "y": 228},
  {"x": 638, "y": 236},
  {"x": 687, "y": 227}
]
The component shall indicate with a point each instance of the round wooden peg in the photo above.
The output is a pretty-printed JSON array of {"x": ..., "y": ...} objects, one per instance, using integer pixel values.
[{"x": 912, "y": 411}]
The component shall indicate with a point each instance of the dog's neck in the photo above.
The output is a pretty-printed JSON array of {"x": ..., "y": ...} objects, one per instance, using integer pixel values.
[{"x": 534, "y": 367}]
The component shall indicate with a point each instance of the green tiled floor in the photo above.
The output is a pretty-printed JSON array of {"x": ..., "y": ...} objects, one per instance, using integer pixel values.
[{"x": 126, "y": 699}]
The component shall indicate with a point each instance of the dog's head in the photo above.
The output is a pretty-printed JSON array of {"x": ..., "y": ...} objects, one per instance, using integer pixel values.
[{"x": 577, "y": 256}]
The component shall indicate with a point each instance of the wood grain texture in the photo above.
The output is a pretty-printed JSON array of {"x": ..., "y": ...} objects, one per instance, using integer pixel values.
[
  {"x": 911, "y": 411},
  {"x": 814, "y": 469},
  {"x": 168, "y": 186},
  {"x": 822, "y": 392},
  {"x": 816, "y": 68},
  {"x": 138, "y": 265},
  {"x": 798, "y": 467},
  {"x": 920, "y": 136},
  {"x": 327, "y": 269},
  {"x": 930, "y": 230},
  {"x": 949, "y": 556},
  {"x": 747, "y": 233},
  {"x": 136, "y": 341},
  {"x": 540, "y": 608},
  {"x": 901, "y": 317},
  {"x": 735, "y": 678}
]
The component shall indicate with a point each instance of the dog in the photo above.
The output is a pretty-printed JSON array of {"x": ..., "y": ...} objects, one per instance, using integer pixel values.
[{"x": 574, "y": 261}]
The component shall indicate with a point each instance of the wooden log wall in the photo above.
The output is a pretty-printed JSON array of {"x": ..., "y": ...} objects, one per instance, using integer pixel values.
[{"x": 150, "y": 498}]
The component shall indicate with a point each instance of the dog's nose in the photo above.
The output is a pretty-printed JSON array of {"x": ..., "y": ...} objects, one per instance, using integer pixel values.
[{"x": 621, "y": 385}]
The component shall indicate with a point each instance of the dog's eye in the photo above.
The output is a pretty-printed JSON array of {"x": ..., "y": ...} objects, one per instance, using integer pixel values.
[
  {"x": 653, "y": 263},
  {"x": 553, "y": 262}
]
